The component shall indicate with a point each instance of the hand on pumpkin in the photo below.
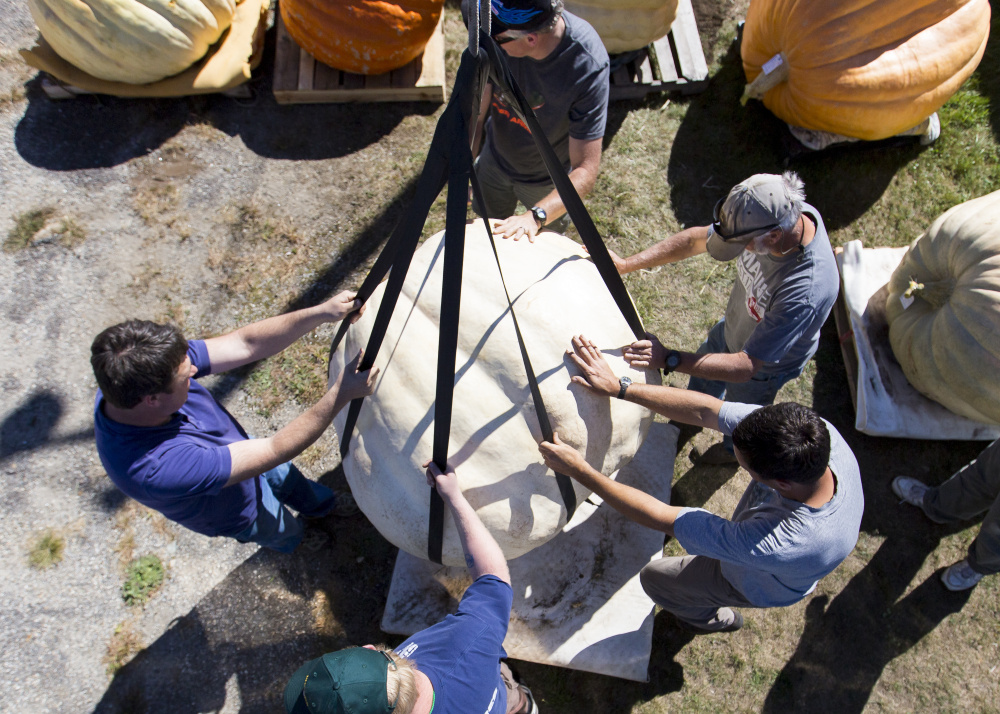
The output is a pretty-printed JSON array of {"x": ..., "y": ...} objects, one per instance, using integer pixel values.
[
  {"x": 517, "y": 227},
  {"x": 597, "y": 375},
  {"x": 445, "y": 482},
  {"x": 646, "y": 354},
  {"x": 560, "y": 457},
  {"x": 352, "y": 384},
  {"x": 342, "y": 305}
]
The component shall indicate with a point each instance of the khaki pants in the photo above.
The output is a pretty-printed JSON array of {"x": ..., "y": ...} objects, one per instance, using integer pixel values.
[
  {"x": 515, "y": 698},
  {"x": 969, "y": 492},
  {"x": 693, "y": 589}
]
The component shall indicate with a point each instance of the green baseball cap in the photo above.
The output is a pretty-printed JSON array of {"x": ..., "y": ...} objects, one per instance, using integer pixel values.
[{"x": 350, "y": 681}]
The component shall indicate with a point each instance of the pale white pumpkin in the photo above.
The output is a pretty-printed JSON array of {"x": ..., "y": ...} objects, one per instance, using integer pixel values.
[
  {"x": 133, "y": 41},
  {"x": 626, "y": 25},
  {"x": 494, "y": 433},
  {"x": 943, "y": 310}
]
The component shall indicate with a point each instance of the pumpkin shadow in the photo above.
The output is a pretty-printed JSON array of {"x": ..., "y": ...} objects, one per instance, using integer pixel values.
[
  {"x": 719, "y": 143},
  {"x": 100, "y": 131},
  {"x": 988, "y": 74}
]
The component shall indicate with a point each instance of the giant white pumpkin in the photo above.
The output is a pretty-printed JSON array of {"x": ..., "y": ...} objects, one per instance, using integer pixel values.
[
  {"x": 133, "y": 41},
  {"x": 626, "y": 25},
  {"x": 494, "y": 432},
  {"x": 943, "y": 310}
]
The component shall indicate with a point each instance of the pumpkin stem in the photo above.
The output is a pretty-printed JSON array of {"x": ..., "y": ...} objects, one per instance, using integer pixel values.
[
  {"x": 773, "y": 73},
  {"x": 934, "y": 293}
]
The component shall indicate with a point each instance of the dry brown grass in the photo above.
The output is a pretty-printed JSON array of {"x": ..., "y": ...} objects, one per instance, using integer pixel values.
[{"x": 125, "y": 643}]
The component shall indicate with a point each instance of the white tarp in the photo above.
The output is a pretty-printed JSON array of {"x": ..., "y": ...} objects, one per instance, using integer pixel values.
[{"x": 888, "y": 405}]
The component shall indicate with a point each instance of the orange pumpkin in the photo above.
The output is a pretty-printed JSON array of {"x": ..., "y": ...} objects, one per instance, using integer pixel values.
[
  {"x": 867, "y": 69},
  {"x": 362, "y": 36}
]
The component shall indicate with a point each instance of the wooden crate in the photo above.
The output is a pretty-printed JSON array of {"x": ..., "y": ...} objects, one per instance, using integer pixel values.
[
  {"x": 299, "y": 78},
  {"x": 672, "y": 63}
]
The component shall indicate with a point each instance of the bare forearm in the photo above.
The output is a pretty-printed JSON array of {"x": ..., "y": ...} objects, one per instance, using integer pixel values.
[
  {"x": 689, "y": 242},
  {"x": 255, "y": 456},
  {"x": 725, "y": 367},
  {"x": 632, "y": 503},
  {"x": 681, "y": 405},
  {"x": 583, "y": 179},
  {"x": 262, "y": 339},
  {"x": 482, "y": 553}
]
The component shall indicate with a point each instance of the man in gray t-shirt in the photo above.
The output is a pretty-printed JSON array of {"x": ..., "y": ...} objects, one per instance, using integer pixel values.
[
  {"x": 561, "y": 66},
  {"x": 787, "y": 283},
  {"x": 797, "y": 520}
]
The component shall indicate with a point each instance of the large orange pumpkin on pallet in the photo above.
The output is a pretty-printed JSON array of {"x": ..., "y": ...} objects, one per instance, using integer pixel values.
[
  {"x": 867, "y": 69},
  {"x": 362, "y": 36}
]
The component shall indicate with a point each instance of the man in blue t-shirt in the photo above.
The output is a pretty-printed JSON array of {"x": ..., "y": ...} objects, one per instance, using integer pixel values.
[
  {"x": 797, "y": 520},
  {"x": 786, "y": 285},
  {"x": 166, "y": 442},
  {"x": 453, "y": 667},
  {"x": 561, "y": 66}
]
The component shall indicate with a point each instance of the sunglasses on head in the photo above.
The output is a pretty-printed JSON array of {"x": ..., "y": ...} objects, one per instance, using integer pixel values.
[
  {"x": 736, "y": 237},
  {"x": 503, "y": 40}
]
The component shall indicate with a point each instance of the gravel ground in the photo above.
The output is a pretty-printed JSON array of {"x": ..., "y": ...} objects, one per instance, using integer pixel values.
[{"x": 152, "y": 185}]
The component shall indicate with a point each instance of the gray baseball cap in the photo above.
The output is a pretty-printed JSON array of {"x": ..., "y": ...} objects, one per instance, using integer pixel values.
[{"x": 752, "y": 208}]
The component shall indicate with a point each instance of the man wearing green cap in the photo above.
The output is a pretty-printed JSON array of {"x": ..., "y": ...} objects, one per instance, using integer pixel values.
[{"x": 453, "y": 667}]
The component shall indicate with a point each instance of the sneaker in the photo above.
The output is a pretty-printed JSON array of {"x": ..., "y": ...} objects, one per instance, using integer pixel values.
[
  {"x": 733, "y": 626},
  {"x": 344, "y": 505},
  {"x": 529, "y": 698},
  {"x": 716, "y": 455},
  {"x": 960, "y": 576},
  {"x": 910, "y": 490}
]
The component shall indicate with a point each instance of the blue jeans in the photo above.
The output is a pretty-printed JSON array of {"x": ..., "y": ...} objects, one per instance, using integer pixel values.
[
  {"x": 275, "y": 527},
  {"x": 761, "y": 389}
]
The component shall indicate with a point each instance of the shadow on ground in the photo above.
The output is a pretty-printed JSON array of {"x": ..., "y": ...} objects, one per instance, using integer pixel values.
[
  {"x": 719, "y": 143},
  {"x": 101, "y": 131},
  {"x": 849, "y": 640}
]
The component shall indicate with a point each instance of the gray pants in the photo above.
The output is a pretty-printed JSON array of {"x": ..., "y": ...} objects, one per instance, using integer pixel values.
[
  {"x": 693, "y": 589},
  {"x": 501, "y": 194},
  {"x": 972, "y": 490}
]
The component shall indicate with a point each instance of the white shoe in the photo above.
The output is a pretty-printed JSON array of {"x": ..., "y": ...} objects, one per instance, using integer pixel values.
[
  {"x": 933, "y": 130},
  {"x": 960, "y": 576},
  {"x": 910, "y": 490}
]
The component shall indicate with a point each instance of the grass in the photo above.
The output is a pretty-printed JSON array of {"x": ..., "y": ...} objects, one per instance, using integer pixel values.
[
  {"x": 47, "y": 550},
  {"x": 124, "y": 644},
  {"x": 143, "y": 577},
  {"x": 26, "y": 227}
]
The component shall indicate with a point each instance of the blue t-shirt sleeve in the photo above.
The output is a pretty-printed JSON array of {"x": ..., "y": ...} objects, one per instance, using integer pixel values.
[
  {"x": 184, "y": 470},
  {"x": 489, "y": 599},
  {"x": 198, "y": 353},
  {"x": 732, "y": 413},
  {"x": 702, "y": 533},
  {"x": 589, "y": 114}
]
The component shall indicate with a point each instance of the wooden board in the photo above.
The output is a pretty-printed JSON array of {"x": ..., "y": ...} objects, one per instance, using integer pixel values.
[
  {"x": 845, "y": 335},
  {"x": 301, "y": 79},
  {"x": 675, "y": 62}
]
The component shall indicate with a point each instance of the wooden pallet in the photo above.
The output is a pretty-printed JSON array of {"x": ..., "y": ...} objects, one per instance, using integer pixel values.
[
  {"x": 299, "y": 78},
  {"x": 845, "y": 335},
  {"x": 675, "y": 62}
]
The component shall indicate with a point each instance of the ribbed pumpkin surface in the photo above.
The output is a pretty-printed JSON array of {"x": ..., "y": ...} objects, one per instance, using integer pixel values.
[
  {"x": 868, "y": 69},
  {"x": 362, "y": 36},
  {"x": 494, "y": 430},
  {"x": 133, "y": 41},
  {"x": 948, "y": 340},
  {"x": 626, "y": 24}
]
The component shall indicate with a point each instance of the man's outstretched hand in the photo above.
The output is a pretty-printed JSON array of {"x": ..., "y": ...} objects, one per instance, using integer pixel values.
[
  {"x": 596, "y": 374},
  {"x": 646, "y": 354}
]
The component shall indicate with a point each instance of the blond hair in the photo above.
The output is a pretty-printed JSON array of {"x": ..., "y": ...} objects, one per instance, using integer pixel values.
[{"x": 401, "y": 682}]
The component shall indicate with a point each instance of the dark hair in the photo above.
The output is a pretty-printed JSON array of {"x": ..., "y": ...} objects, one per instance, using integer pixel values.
[
  {"x": 788, "y": 442},
  {"x": 136, "y": 358}
]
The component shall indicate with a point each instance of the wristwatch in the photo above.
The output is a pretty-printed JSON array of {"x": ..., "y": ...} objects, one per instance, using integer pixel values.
[
  {"x": 624, "y": 382},
  {"x": 672, "y": 362},
  {"x": 540, "y": 215}
]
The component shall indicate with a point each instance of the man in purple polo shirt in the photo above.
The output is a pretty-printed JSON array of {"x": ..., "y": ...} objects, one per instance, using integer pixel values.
[{"x": 166, "y": 442}]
